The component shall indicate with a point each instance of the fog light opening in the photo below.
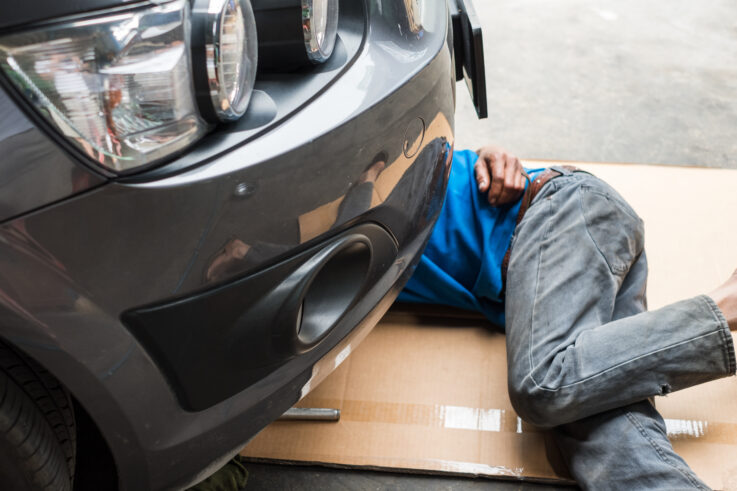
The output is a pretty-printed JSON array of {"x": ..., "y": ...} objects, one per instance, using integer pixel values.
[{"x": 332, "y": 292}]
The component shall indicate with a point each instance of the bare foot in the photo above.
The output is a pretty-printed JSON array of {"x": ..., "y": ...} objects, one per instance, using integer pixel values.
[{"x": 726, "y": 298}]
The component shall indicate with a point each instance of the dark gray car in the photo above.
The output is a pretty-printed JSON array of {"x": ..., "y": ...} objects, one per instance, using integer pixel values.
[{"x": 187, "y": 247}]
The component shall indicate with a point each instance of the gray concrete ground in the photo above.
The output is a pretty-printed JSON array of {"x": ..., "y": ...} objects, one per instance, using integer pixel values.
[
  {"x": 617, "y": 81},
  {"x": 270, "y": 477},
  {"x": 587, "y": 80}
]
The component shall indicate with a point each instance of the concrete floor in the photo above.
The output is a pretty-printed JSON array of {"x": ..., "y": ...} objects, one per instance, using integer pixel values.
[
  {"x": 587, "y": 80},
  {"x": 596, "y": 80},
  {"x": 270, "y": 477}
]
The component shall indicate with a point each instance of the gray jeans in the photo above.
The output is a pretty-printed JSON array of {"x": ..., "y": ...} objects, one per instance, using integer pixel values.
[{"x": 584, "y": 355}]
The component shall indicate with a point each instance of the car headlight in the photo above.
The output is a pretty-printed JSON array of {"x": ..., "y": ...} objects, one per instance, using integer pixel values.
[
  {"x": 224, "y": 32},
  {"x": 295, "y": 33},
  {"x": 118, "y": 86},
  {"x": 320, "y": 28}
]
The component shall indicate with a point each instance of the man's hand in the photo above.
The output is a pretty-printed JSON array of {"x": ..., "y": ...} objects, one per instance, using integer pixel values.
[{"x": 500, "y": 174}]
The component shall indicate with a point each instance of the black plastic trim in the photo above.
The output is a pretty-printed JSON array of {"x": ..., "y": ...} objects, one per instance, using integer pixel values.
[
  {"x": 281, "y": 42},
  {"x": 198, "y": 34},
  {"x": 468, "y": 47},
  {"x": 212, "y": 345}
]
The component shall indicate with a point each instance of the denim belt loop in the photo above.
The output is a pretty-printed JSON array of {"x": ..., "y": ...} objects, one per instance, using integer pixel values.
[{"x": 565, "y": 170}]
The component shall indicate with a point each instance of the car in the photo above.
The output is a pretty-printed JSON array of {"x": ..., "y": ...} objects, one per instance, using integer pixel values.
[{"x": 204, "y": 207}]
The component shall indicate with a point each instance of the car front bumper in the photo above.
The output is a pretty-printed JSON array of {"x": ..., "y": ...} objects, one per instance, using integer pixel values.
[{"x": 71, "y": 271}]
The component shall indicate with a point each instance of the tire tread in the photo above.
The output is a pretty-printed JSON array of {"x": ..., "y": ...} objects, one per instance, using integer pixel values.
[{"x": 36, "y": 422}]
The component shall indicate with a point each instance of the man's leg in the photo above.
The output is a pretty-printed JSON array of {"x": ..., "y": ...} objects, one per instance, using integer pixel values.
[
  {"x": 581, "y": 356},
  {"x": 567, "y": 357},
  {"x": 624, "y": 448}
]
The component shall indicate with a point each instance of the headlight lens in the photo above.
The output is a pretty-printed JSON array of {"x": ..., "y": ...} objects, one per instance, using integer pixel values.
[
  {"x": 119, "y": 86},
  {"x": 230, "y": 50},
  {"x": 320, "y": 28}
]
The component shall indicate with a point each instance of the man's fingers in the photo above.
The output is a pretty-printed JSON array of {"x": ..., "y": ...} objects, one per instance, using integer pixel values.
[
  {"x": 521, "y": 181},
  {"x": 497, "y": 178},
  {"x": 482, "y": 174},
  {"x": 514, "y": 182},
  {"x": 511, "y": 173},
  {"x": 499, "y": 173}
]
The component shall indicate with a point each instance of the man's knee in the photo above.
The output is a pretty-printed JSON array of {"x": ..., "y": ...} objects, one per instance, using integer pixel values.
[{"x": 540, "y": 406}]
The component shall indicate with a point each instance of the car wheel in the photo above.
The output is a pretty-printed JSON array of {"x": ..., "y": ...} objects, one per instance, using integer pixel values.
[{"x": 37, "y": 431}]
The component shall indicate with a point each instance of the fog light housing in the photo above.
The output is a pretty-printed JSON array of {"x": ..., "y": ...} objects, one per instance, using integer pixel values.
[
  {"x": 225, "y": 45},
  {"x": 295, "y": 33}
]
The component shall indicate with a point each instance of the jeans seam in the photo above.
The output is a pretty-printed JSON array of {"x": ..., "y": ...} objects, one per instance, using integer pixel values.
[
  {"x": 658, "y": 449},
  {"x": 729, "y": 354},
  {"x": 590, "y": 377},
  {"x": 588, "y": 232},
  {"x": 537, "y": 282}
]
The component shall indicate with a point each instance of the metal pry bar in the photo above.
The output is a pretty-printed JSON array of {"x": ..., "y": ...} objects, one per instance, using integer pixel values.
[{"x": 310, "y": 414}]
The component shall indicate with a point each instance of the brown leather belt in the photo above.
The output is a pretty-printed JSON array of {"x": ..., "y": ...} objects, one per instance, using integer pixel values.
[{"x": 532, "y": 190}]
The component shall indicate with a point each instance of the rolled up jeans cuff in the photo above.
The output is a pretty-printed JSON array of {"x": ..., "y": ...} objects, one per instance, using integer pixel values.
[{"x": 728, "y": 341}]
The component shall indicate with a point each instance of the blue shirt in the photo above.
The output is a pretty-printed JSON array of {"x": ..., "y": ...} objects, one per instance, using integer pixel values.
[{"x": 462, "y": 263}]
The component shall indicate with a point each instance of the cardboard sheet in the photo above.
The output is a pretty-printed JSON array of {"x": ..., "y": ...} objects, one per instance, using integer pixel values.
[{"x": 426, "y": 390}]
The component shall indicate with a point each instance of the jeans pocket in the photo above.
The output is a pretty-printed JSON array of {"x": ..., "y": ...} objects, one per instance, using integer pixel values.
[{"x": 615, "y": 229}]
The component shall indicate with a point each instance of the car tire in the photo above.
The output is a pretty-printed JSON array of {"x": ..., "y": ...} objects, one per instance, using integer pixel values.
[{"x": 37, "y": 429}]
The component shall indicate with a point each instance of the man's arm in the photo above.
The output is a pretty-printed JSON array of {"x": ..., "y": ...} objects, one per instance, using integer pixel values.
[{"x": 500, "y": 175}]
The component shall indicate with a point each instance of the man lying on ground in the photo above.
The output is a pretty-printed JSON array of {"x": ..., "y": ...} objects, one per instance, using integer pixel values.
[{"x": 560, "y": 264}]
